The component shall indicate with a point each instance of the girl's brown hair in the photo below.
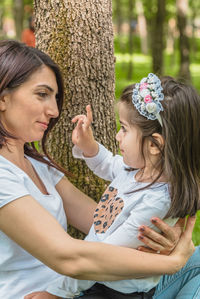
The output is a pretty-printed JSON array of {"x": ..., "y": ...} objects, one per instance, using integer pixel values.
[
  {"x": 17, "y": 63},
  {"x": 179, "y": 157}
]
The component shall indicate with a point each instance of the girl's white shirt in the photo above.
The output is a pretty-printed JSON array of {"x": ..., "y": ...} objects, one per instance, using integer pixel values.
[
  {"x": 138, "y": 208},
  {"x": 20, "y": 272}
]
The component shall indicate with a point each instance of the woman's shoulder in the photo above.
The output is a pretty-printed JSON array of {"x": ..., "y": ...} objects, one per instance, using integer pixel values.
[
  {"x": 11, "y": 182},
  {"x": 8, "y": 168},
  {"x": 50, "y": 173}
]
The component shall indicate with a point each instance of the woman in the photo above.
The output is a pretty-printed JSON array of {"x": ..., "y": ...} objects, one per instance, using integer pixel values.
[{"x": 35, "y": 197}]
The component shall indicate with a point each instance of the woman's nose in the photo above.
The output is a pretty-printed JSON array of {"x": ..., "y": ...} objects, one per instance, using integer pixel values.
[{"x": 53, "y": 109}]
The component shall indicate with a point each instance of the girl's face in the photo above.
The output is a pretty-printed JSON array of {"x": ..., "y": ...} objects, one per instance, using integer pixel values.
[
  {"x": 26, "y": 111},
  {"x": 129, "y": 138}
]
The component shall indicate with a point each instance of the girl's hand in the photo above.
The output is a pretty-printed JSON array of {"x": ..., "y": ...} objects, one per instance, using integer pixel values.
[
  {"x": 161, "y": 243},
  {"x": 41, "y": 295},
  {"x": 82, "y": 135}
]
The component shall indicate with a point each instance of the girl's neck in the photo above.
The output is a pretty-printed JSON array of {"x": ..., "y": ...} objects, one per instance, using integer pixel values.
[{"x": 147, "y": 175}]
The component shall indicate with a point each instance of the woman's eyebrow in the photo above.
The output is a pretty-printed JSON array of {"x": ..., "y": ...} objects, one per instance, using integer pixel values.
[{"x": 46, "y": 86}]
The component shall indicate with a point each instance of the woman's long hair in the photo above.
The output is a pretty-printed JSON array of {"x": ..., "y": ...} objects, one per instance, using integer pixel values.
[
  {"x": 17, "y": 63},
  {"x": 180, "y": 156}
]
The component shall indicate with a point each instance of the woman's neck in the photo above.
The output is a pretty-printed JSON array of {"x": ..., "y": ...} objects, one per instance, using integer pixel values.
[{"x": 14, "y": 153}]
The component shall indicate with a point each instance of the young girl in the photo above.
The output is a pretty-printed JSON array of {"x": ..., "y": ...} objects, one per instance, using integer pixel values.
[{"x": 157, "y": 175}]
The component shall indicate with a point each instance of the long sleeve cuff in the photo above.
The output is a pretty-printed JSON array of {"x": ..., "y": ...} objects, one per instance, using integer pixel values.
[{"x": 91, "y": 161}]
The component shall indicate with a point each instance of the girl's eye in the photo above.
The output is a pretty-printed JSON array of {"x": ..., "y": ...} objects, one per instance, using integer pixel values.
[{"x": 123, "y": 129}]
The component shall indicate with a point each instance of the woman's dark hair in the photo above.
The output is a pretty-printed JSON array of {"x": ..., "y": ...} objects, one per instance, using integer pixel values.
[
  {"x": 179, "y": 157},
  {"x": 17, "y": 63}
]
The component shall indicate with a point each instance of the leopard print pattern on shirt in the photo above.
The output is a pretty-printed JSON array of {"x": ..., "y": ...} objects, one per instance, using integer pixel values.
[{"x": 108, "y": 208}]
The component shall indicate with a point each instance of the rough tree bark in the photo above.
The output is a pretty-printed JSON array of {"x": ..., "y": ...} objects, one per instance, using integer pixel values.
[{"x": 78, "y": 35}]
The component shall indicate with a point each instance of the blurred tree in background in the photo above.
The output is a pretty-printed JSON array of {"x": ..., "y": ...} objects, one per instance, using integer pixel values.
[
  {"x": 14, "y": 16},
  {"x": 161, "y": 26},
  {"x": 18, "y": 13},
  {"x": 149, "y": 27},
  {"x": 184, "y": 46}
]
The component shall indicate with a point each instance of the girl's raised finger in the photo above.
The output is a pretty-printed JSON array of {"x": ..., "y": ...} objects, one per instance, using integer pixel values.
[
  {"x": 89, "y": 119},
  {"x": 77, "y": 117}
]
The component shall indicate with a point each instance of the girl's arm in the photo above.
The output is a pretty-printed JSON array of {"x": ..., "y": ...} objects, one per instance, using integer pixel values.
[
  {"x": 35, "y": 230},
  {"x": 41, "y": 295}
]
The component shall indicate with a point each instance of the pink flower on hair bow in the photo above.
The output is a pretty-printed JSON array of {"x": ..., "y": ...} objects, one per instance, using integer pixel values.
[
  {"x": 148, "y": 99},
  {"x": 143, "y": 86}
]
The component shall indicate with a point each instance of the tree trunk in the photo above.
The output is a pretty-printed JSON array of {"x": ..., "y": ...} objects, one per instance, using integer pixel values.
[
  {"x": 171, "y": 40},
  {"x": 18, "y": 12},
  {"x": 142, "y": 26},
  {"x": 158, "y": 38},
  {"x": 184, "y": 46},
  {"x": 150, "y": 17},
  {"x": 131, "y": 4},
  {"x": 118, "y": 16},
  {"x": 193, "y": 43},
  {"x": 194, "y": 16},
  {"x": 78, "y": 35},
  {"x": 1, "y": 21}
]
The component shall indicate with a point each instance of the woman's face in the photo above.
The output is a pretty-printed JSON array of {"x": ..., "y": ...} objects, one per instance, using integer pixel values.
[{"x": 26, "y": 111}]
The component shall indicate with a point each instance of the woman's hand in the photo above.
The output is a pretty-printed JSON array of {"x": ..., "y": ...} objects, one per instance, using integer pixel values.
[
  {"x": 41, "y": 295},
  {"x": 161, "y": 243},
  {"x": 185, "y": 247},
  {"x": 82, "y": 135}
]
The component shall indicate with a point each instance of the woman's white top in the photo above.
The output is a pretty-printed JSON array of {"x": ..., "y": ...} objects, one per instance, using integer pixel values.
[{"x": 20, "y": 272}]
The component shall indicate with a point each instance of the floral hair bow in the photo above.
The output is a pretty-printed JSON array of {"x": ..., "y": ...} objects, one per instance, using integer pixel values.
[{"x": 147, "y": 96}]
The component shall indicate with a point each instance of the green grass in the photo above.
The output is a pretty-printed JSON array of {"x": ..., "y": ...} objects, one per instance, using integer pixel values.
[
  {"x": 141, "y": 67},
  {"x": 196, "y": 232}
]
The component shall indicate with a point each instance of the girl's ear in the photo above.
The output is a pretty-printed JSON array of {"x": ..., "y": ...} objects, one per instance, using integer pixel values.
[{"x": 152, "y": 147}]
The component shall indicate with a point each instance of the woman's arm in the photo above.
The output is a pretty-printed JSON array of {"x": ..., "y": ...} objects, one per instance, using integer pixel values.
[
  {"x": 79, "y": 208},
  {"x": 34, "y": 229}
]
